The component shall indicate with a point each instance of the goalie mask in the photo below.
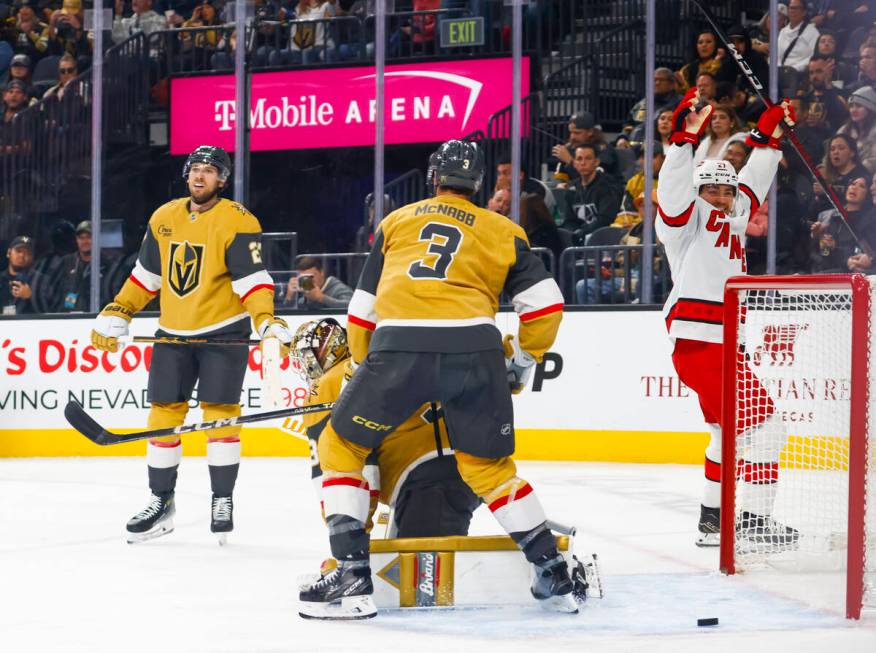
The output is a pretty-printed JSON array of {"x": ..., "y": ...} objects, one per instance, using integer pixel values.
[{"x": 318, "y": 346}]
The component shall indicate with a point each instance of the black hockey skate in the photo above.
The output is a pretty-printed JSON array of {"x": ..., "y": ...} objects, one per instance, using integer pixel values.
[
  {"x": 222, "y": 520},
  {"x": 709, "y": 527},
  {"x": 344, "y": 593},
  {"x": 763, "y": 534},
  {"x": 153, "y": 521},
  {"x": 552, "y": 586}
]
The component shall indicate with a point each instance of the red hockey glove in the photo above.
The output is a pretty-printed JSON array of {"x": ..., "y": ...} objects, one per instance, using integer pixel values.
[
  {"x": 687, "y": 123},
  {"x": 770, "y": 125}
]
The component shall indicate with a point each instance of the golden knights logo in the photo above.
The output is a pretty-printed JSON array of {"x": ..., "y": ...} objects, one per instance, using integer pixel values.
[{"x": 184, "y": 264}]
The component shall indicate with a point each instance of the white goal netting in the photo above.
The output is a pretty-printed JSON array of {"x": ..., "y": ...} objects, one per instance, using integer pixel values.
[{"x": 793, "y": 388}]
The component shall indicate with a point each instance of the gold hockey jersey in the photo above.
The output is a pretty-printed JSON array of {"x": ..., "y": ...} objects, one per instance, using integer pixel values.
[
  {"x": 409, "y": 445},
  {"x": 208, "y": 267},
  {"x": 433, "y": 279}
]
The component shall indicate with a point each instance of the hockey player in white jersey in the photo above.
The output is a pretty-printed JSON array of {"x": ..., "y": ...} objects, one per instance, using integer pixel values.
[{"x": 703, "y": 211}]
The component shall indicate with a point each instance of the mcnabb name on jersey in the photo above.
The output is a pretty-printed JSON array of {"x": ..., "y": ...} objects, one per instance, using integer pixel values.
[{"x": 450, "y": 211}]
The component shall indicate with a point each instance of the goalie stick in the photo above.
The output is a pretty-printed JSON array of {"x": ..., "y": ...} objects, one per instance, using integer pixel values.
[
  {"x": 798, "y": 146},
  {"x": 87, "y": 426}
]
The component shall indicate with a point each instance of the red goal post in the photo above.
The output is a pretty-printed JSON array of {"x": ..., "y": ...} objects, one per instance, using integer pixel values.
[{"x": 809, "y": 341}]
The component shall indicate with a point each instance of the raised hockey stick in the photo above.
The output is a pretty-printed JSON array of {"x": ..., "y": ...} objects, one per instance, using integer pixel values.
[
  {"x": 85, "y": 424},
  {"x": 798, "y": 146},
  {"x": 166, "y": 340}
]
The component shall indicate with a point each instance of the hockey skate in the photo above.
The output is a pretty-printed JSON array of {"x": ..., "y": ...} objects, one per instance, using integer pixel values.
[
  {"x": 762, "y": 533},
  {"x": 709, "y": 527},
  {"x": 222, "y": 520},
  {"x": 155, "y": 520},
  {"x": 552, "y": 586},
  {"x": 344, "y": 593}
]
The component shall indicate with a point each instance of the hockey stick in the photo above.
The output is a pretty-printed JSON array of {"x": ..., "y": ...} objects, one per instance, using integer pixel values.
[
  {"x": 169, "y": 340},
  {"x": 792, "y": 136},
  {"x": 85, "y": 424}
]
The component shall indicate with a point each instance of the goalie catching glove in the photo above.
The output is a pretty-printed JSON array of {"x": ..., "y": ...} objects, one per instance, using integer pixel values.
[
  {"x": 110, "y": 325},
  {"x": 518, "y": 363},
  {"x": 770, "y": 125},
  {"x": 276, "y": 328}
]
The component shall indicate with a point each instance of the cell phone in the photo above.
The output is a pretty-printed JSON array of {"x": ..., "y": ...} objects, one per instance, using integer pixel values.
[{"x": 305, "y": 282}]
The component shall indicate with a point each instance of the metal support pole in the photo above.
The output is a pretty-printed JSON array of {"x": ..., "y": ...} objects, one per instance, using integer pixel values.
[
  {"x": 516, "y": 52},
  {"x": 379, "y": 64},
  {"x": 645, "y": 280},
  {"x": 241, "y": 105},
  {"x": 774, "y": 95},
  {"x": 96, "y": 154}
]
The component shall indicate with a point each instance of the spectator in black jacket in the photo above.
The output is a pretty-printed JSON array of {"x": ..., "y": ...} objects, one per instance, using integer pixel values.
[
  {"x": 22, "y": 289},
  {"x": 832, "y": 242},
  {"x": 756, "y": 61},
  {"x": 826, "y": 48},
  {"x": 840, "y": 166},
  {"x": 584, "y": 130},
  {"x": 74, "y": 289},
  {"x": 821, "y": 95},
  {"x": 593, "y": 199}
]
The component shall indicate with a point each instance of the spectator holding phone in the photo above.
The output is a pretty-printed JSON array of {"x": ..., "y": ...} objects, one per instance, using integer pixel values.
[
  {"x": 833, "y": 247},
  {"x": 314, "y": 289},
  {"x": 21, "y": 287}
]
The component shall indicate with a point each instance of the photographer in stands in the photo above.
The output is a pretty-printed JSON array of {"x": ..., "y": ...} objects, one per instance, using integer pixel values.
[
  {"x": 22, "y": 289},
  {"x": 314, "y": 289}
]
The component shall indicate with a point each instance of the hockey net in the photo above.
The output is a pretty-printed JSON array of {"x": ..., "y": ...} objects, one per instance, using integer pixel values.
[{"x": 798, "y": 468}]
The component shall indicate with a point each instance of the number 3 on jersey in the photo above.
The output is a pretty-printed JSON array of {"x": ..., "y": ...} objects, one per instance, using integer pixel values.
[{"x": 444, "y": 241}]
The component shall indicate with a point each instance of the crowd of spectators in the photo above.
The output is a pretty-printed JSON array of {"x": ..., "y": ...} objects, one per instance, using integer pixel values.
[
  {"x": 827, "y": 64},
  {"x": 59, "y": 282},
  {"x": 36, "y": 34}
]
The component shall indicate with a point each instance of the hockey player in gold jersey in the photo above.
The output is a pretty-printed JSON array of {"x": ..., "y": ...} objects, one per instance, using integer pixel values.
[
  {"x": 203, "y": 253},
  {"x": 413, "y": 471},
  {"x": 422, "y": 329}
]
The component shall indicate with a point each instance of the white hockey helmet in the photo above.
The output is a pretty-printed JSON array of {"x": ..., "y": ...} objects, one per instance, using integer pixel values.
[{"x": 714, "y": 171}]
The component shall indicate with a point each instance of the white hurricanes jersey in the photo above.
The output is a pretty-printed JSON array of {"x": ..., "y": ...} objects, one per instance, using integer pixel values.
[{"x": 704, "y": 246}]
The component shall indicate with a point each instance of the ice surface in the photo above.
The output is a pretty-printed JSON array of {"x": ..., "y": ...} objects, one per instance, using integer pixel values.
[{"x": 68, "y": 582}]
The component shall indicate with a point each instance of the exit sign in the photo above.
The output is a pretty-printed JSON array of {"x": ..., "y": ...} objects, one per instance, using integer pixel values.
[{"x": 462, "y": 32}]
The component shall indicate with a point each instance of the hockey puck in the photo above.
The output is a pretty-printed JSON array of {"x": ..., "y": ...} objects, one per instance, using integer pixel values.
[{"x": 709, "y": 621}]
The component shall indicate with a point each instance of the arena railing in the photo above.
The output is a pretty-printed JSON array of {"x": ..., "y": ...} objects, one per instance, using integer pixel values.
[
  {"x": 610, "y": 274},
  {"x": 274, "y": 254}
]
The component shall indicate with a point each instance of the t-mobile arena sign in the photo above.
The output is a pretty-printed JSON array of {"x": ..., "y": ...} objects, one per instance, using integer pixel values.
[{"x": 335, "y": 107}]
